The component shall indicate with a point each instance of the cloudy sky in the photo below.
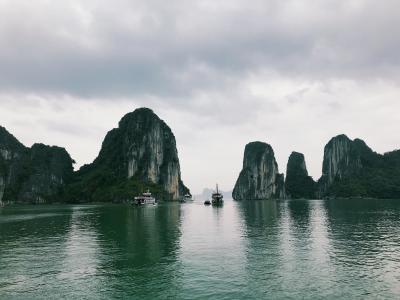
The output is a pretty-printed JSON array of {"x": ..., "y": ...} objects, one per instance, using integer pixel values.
[{"x": 291, "y": 73}]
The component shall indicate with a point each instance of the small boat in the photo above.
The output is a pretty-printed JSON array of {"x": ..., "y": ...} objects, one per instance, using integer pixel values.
[
  {"x": 145, "y": 198},
  {"x": 207, "y": 202},
  {"x": 217, "y": 198},
  {"x": 188, "y": 197}
]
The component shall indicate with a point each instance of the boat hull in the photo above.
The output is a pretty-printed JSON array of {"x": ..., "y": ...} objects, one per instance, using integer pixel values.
[
  {"x": 141, "y": 201},
  {"x": 217, "y": 202}
]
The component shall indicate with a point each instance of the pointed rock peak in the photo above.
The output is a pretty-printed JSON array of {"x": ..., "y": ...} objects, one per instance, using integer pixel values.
[
  {"x": 3, "y": 130},
  {"x": 142, "y": 114},
  {"x": 360, "y": 141},
  {"x": 144, "y": 110},
  {"x": 296, "y": 164},
  {"x": 339, "y": 138},
  {"x": 255, "y": 150},
  {"x": 296, "y": 155},
  {"x": 298, "y": 184},
  {"x": 259, "y": 178},
  {"x": 344, "y": 138},
  {"x": 51, "y": 151},
  {"x": 258, "y": 146},
  {"x": 362, "y": 146},
  {"x": 7, "y": 140}
]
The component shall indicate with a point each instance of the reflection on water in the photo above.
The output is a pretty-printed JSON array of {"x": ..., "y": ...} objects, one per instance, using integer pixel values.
[
  {"x": 251, "y": 249},
  {"x": 366, "y": 245},
  {"x": 79, "y": 258}
]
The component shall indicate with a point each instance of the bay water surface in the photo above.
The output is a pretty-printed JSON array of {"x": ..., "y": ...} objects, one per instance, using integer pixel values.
[{"x": 294, "y": 249}]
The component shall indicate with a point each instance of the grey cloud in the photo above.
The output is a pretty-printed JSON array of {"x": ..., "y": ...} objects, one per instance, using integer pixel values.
[
  {"x": 71, "y": 129},
  {"x": 177, "y": 48}
]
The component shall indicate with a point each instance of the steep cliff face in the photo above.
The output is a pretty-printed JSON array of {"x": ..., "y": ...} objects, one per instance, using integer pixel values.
[
  {"x": 33, "y": 175},
  {"x": 259, "y": 178},
  {"x": 50, "y": 168},
  {"x": 13, "y": 157},
  {"x": 298, "y": 184},
  {"x": 352, "y": 169},
  {"x": 141, "y": 149},
  {"x": 340, "y": 159}
]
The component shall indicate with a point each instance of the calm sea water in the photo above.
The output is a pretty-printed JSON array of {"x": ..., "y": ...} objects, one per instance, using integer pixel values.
[{"x": 243, "y": 250}]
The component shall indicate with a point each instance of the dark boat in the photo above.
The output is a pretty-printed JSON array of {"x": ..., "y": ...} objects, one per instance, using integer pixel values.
[
  {"x": 207, "y": 202},
  {"x": 217, "y": 198}
]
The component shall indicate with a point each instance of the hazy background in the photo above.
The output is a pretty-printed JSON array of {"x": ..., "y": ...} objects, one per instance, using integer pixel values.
[{"x": 220, "y": 73}]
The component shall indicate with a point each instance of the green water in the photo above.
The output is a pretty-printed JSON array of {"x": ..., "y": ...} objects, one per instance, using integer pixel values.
[{"x": 243, "y": 250}]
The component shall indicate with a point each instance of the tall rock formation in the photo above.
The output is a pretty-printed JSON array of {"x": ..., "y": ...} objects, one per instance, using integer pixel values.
[
  {"x": 32, "y": 175},
  {"x": 141, "y": 151},
  {"x": 50, "y": 170},
  {"x": 341, "y": 158},
  {"x": 352, "y": 169},
  {"x": 259, "y": 178},
  {"x": 298, "y": 184}
]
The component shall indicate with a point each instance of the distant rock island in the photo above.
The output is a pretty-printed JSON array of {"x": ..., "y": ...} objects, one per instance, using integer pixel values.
[
  {"x": 297, "y": 183},
  {"x": 350, "y": 170},
  {"x": 259, "y": 178},
  {"x": 141, "y": 153}
]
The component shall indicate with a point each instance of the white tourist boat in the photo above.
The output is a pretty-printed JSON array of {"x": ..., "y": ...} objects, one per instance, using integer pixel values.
[
  {"x": 145, "y": 198},
  {"x": 185, "y": 198}
]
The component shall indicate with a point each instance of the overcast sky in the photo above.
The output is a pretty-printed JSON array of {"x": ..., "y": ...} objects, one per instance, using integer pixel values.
[{"x": 290, "y": 73}]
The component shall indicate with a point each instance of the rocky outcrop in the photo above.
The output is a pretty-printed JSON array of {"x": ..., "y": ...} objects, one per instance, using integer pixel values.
[
  {"x": 141, "y": 150},
  {"x": 352, "y": 169},
  {"x": 340, "y": 159},
  {"x": 298, "y": 184},
  {"x": 32, "y": 175},
  {"x": 49, "y": 171},
  {"x": 259, "y": 178}
]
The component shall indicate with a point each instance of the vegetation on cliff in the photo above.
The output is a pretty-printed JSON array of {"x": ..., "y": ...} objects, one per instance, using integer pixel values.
[
  {"x": 259, "y": 178},
  {"x": 350, "y": 170},
  {"x": 298, "y": 184},
  {"x": 138, "y": 155},
  {"x": 360, "y": 172},
  {"x": 32, "y": 175}
]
